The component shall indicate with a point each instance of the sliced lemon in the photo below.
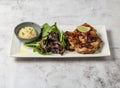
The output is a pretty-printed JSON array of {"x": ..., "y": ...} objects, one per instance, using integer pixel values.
[{"x": 83, "y": 29}]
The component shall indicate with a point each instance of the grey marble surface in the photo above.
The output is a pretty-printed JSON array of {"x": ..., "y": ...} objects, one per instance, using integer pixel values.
[{"x": 60, "y": 73}]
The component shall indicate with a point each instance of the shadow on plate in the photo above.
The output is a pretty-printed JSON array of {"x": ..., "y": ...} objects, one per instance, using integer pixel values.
[
  {"x": 62, "y": 59},
  {"x": 110, "y": 41},
  {"x": 109, "y": 58}
]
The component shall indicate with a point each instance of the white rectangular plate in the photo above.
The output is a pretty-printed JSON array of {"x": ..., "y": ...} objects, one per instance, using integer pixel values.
[{"x": 19, "y": 50}]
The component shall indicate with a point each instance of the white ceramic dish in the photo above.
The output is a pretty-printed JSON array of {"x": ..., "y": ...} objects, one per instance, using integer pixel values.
[{"x": 19, "y": 50}]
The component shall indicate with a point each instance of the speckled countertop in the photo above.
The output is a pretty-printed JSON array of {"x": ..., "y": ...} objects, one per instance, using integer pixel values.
[{"x": 60, "y": 73}]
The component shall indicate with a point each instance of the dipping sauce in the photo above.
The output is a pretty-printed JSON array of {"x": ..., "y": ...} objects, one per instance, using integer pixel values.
[{"x": 27, "y": 32}]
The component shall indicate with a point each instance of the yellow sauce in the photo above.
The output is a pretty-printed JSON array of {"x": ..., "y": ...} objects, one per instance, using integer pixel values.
[{"x": 27, "y": 32}]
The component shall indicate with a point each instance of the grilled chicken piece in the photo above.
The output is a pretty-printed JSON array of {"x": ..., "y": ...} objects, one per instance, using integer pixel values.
[{"x": 83, "y": 42}]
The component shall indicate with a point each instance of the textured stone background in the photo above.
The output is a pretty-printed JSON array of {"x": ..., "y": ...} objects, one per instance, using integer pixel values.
[{"x": 60, "y": 73}]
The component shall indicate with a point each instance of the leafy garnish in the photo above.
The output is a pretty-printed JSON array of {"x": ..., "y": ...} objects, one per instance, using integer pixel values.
[
  {"x": 46, "y": 29},
  {"x": 62, "y": 39},
  {"x": 40, "y": 51},
  {"x": 33, "y": 44}
]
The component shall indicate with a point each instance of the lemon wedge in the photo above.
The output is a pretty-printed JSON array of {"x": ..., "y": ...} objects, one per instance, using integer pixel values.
[{"x": 83, "y": 29}]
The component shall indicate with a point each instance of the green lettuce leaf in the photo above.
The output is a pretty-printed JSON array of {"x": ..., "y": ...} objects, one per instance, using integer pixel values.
[
  {"x": 46, "y": 29},
  {"x": 62, "y": 39}
]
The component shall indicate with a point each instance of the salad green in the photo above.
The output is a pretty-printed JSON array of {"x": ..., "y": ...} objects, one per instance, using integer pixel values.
[{"x": 51, "y": 41}]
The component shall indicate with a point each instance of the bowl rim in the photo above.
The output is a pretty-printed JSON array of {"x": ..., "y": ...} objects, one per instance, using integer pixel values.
[{"x": 38, "y": 34}]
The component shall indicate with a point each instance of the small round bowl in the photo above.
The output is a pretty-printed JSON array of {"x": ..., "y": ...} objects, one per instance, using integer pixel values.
[{"x": 30, "y": 24}]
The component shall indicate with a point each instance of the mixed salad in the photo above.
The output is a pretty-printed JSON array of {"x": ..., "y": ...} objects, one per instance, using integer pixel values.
[{"x": 52, "y": 40}]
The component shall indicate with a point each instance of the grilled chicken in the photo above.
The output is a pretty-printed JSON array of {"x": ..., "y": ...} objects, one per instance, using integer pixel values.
[{"x": 83, "y": 42}]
